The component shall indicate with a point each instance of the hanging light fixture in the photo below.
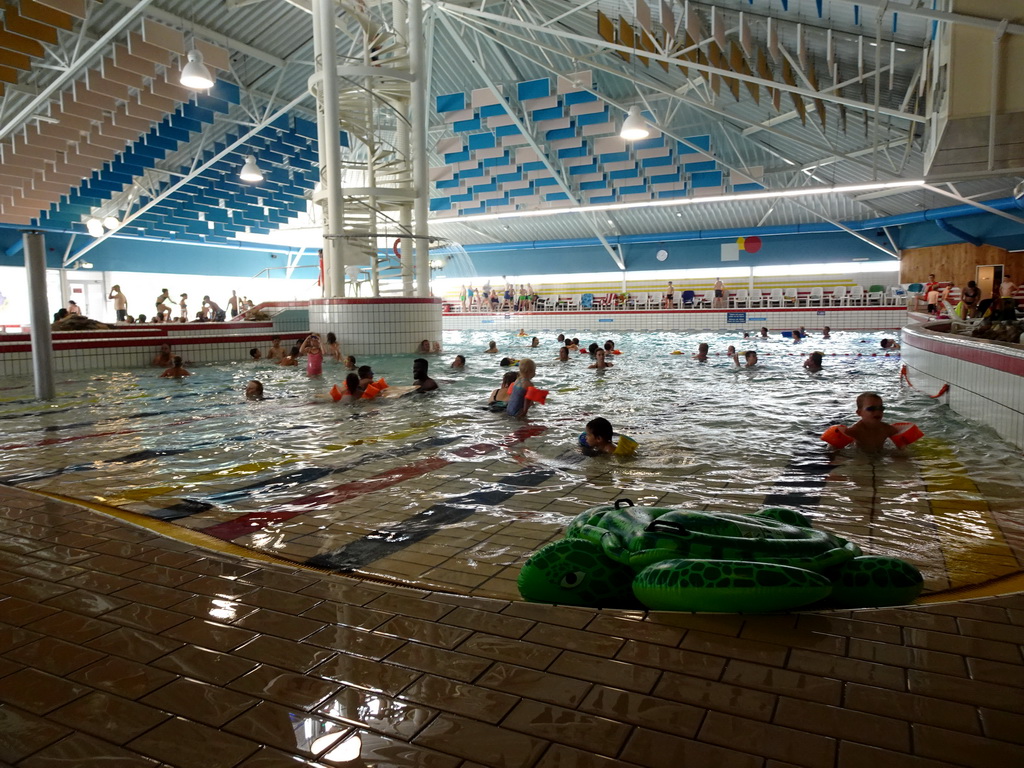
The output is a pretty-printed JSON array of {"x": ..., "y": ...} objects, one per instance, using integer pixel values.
[
  {"x": 251, "y": 171},
  {"x": 95, "y": 227},
  {"x": 111, "y": 222},
  {"x": 634, "y": 126},
  {"x": 194, "y": 74}
]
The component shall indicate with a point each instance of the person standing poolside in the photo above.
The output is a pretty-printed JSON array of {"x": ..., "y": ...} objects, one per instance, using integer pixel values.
[
  {"x": 233, "y": 304},
  {"x": 462, "y": 297},
  {"x": 1007, "y": 289},
  {"x": 217, "y": 314},
  {"x": 120, "y": 303},
  {"x": 161, "y": 305},
  {"x": 970, "y": 297},
  {"x": 471, "y": 297},
  {"x": 669, "y": 301},
  {"x": 183, "y": 305},
  {"x": 73, "y": 308},
  {"x": 719, "y": 300}
]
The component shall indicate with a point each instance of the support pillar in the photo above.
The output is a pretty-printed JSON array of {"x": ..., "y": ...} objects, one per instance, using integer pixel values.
[
  {"x": 328, "y": 130},
  {"x": 39, "y": 312},
  {"x": 420, "y": 176}
]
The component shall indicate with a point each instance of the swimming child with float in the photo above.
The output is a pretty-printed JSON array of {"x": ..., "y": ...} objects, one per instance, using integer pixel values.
[
  {"x": 599, "y": 439},
  {"x": 870, "y": 432},
  {"x": 524, "y": 394}
]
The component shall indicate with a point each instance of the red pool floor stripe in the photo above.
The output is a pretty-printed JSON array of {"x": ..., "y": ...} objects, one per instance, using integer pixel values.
[{"x": 256, "y": 521}]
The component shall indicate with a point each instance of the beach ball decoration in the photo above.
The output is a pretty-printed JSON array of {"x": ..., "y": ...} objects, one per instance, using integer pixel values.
[{"x": 749, "y": 244}]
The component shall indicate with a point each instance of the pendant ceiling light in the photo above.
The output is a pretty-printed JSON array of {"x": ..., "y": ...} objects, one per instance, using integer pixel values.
[
  {"x": 251, "y": 171},
  {"x": 95, "y": 227},
  {"x": 111, "y": 222},
  {"x": 194, "y": 74},
  {"x": 634, "y": 126}
]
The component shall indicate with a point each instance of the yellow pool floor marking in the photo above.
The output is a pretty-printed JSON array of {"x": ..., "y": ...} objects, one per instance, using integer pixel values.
[
  {"x": 971, "y": 540},
  {"x": 252, "y": 468}
]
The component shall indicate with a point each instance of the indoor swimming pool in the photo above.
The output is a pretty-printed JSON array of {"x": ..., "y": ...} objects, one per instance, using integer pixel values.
[{"x": 438, "y": 491}]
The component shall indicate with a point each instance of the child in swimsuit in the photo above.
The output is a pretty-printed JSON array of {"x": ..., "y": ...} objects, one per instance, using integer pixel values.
[
  {"x": 314, "y": 355},
  {"x": 518, "y": 405}
]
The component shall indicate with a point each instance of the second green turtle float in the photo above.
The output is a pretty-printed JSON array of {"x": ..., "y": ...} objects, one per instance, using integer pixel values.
[{"x": 624, "y": 556}]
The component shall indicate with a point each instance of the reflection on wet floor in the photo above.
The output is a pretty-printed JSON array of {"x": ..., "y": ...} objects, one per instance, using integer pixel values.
[{"x": 436, "y": 492}]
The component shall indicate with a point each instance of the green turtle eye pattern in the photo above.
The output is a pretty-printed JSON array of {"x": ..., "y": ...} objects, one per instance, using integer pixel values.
[{"x": 573, "y": 579}]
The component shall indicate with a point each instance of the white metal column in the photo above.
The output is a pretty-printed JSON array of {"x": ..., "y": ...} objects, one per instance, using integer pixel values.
[{"x": 39, "y": 313}]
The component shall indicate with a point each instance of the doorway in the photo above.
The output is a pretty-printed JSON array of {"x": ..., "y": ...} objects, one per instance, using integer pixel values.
[
  {"x": 989, "y": 276},
  {"x": 89, "y": 296}
]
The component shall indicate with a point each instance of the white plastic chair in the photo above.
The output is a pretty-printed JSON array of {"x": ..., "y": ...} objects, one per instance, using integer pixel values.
[
  {"x": 790, "y": 297},
  {"x": 705, "y": 299},
  {"x": 856, "y": 295},
  {"x": 740, "y": 296},
  {"x": 897, "y": 296},
  {"x": 838, "y": 296},
  {"x": 775, "y": 297},
  {"x": 816, "y": 296},
  {"x": 876, "y": 297}
]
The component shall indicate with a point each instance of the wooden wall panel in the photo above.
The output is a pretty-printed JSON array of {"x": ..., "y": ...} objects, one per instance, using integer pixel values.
[{"x": 956, "y": 262}]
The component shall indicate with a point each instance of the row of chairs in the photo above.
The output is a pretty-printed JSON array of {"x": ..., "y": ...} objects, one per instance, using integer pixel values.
[{"x": 857, "y": 295}]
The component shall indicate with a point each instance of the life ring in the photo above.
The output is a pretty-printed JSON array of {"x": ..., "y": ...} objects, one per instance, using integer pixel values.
[
  {"x": 907, "y": 434},
  {"x": 394, "y": 248},
  {"x": 836, "y": 436}
]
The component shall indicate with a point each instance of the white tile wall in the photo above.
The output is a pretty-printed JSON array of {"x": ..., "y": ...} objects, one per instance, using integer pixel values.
[
  {"x": 385, "y": 326},
  {"x": 977, "y": 391}
]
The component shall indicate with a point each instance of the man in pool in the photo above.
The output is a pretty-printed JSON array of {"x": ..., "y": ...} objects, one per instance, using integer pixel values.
[
  {"x": 702, "y": 352},
  {"x": 176, "y": 371},
  {"x": 421, "y": 378},
  {"x": 365, "y": 376},
  {"x": 870, "y": 433},
  {"x": 255, "y": 354},
  {"x": 750, "y": 356}
]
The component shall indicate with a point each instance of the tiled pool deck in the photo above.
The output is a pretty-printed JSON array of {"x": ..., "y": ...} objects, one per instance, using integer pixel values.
[{"x": 120, "y": 647}]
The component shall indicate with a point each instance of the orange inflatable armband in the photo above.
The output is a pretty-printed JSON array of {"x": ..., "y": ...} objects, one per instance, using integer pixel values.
[
  {"x": 908, "y": 433},
  {"x": 537, "y": 395},
  {"x": 371, "y": 391},
  {"x": 381, "y": 384},
  {"x": 336, "y": 393},
  {"x": 836, "y": 436},
  {"x": 616, "y": 352}
]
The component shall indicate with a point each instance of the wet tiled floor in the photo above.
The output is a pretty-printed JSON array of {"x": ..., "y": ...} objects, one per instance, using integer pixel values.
[{"x": 121, "y": 644}]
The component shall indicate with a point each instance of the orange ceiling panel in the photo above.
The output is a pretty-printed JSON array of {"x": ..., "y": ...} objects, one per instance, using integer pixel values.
[
  {"x": 20, "y": 25},
  {"x": 59, "y": 10},
  {"x": 12, "y": 42}
]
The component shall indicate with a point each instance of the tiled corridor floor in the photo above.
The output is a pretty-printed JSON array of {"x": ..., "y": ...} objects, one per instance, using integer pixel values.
[{"x": 120, "y": 644}]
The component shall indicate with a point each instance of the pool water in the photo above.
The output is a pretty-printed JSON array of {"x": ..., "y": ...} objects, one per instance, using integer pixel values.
[{"x": 436, "y": 490}]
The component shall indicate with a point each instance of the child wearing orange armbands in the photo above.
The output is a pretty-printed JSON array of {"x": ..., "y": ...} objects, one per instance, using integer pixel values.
[
  {"x": 870, "y": 433},
  {"x": 524, "y": 394}
]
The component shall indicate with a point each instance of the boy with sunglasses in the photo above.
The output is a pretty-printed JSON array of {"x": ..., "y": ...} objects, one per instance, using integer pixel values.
[{"x": 871, "y": 432}]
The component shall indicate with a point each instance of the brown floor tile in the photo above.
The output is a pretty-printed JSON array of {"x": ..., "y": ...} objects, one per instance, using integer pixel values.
[
  {"x": 33, "y": 590},
  {"x": 150, "y": 594},
  {"x": 146, "y": 617},
  {"x": 1004, "y": 726},
  {"x": 496, "y": 747},
  {"x": 54, "y": 656},
  {"x": 364, "y": 673},
  {"x": 375, "y": 749},
  {"x": 646, "y": 711},
  {"x": 19, "y": 612},
  {"x": 574, "y": 640},
  {"x": 96, "y": 581},
  {"x": 561, "y": 756},
  {"x": 714, "y": 695},
  {"x": 487, "y": 622},
  {"x": 961, "y": 645},
  {"x": 911, "y": 707},
  {"x": 964, "y": 749},
  {"x": 996, "y": 672},
  {"x": 561, "y": 615},
  {"x": 13, "y": 637},
  {"x": 451, "y": 664},
  {"x": 423, "y": 631},
  {"x": 85, "y": 602},
  {"x": 783, "y": 682},
  {"x": 416, "y": 607},
  {"x": 136, "y": 645},
  {"x": 300, "y": 733},
  {"x": 22, "y": 733},
  {"x": 846, "y": 669},
  {"x": 660, "y": 750},
  {"x": 583, "y": 730},
  {"x": 534, "y": 684},
  {"x": 661, "y": 657},
  {"x": 987, "y": 630},
  {"x": 202, "y": 664},
  {"x": 735, "y": 648},
  {"x": 220, "y": 588},
  {"x": 278, "y": 600},
  {"x": 38, "y": 692},
  {"x": 209, "y": 634},
  {"x": 123, "y": 677},
  {"x": 511, "y": 651},
  {"x": 904, "y": 656},
  {"x": 460, "y": 698},
  {"x": 78, "y": 749},
  {"x": 298, "y": 657},
  {"x": 278, "y": 624},
  {"x": 618, "y": 674},
  {"x": 967, "y": 691},
  {"x": 853, "y": 755},
  {"x": 108, "y": 717},
  {"x": 649, "y": 631},
  {"x": 268, "y": 757},
  {"x": 354, "y": 616},
  {"x": 207, "y": 704},
  {"x": 383, "y": 714},
  {"x": 369, "y": 643},
  {"x": 769, "y": 740},
  {"x": 291, "y": 689},
  {"x": 185, "y": 744},
  {"x": 839, "y": 723}
]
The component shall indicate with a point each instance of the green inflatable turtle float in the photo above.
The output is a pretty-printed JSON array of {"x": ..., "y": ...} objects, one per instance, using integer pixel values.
[{"x": 624, "y": 556}]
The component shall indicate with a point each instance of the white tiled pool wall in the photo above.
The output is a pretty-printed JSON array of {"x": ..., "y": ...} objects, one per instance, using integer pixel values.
[
  {"x": 378, "y": 326},
  {"x": 814, "y": 319},
  {"x": 976, "y": 389}
]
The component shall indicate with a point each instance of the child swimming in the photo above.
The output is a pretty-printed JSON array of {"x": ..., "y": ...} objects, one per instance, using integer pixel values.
[
  {"x": 870, "y": 433},
  {"x": 518, "y": 404},
  {"x": 599, "y": 436}
]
